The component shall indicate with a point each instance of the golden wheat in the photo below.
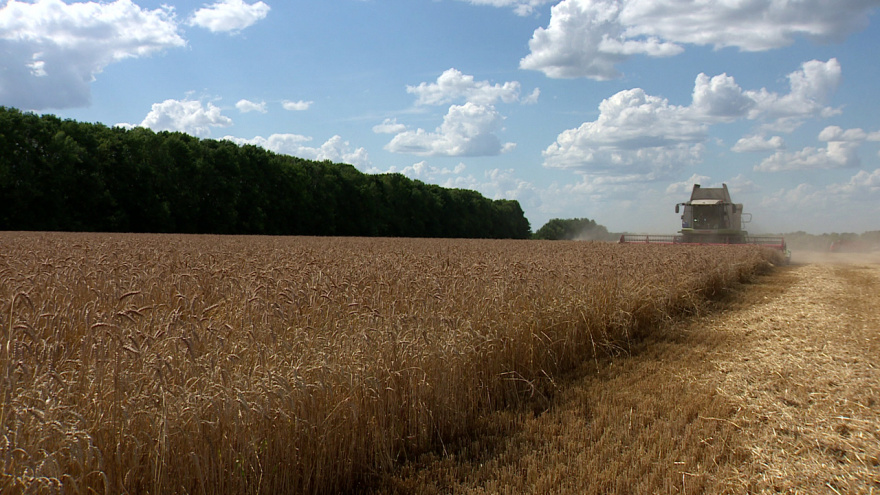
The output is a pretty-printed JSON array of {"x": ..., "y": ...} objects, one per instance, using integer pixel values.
[{"x": 204, "y": 364}]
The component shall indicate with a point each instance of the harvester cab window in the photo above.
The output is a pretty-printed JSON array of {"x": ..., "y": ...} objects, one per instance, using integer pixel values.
[{"x": 708, "y": 217}]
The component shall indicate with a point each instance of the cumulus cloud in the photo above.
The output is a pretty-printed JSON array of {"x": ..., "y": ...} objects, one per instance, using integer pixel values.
[
  {"x": 503, "y": 183},
  {"x": 467, "y": 130},
  {"x": 452, "y": 86},
  {"x": 803, "y": 197},
  {"x": 245, "y": 106},
  {"x": 389, "y": 126},
  {"x": 533, "y": 97},
  {"x": 841, "y": 151},
  {"x": 749, "y": 26},
  {"x": 837, "y": 154},
  {"x": 826, "y": 203},
  {"x": 279, "y": 143},
  {"x": 53, "y": 51},
  {"x": 720, "y": 98},
  {"x": 189, "y": 116},
  {"x": 737, "y": 185},
  {"x": 334, "y": 149},
  {"x": 635, "y": 133},
  {"x": 811, "y": 88},
  {"x": 758, "y": 143},
  {"x": 296, "y": 106},
  {"x": 680, "y": 189},
  {"x": 640, "y": 137},
  {"x": 836, "y": 133},
  {"x": 585, "y": 38},
  {"x": 423, "y": 171},
  {"x": 229, "y": 15},
  {"x": 520, "y": 7},
  {"x": 588, "y": 38},
  {"x": 863, "y": 185},
  {"x": 499, "y": 184},
  {"x": 741, "y": 185}
]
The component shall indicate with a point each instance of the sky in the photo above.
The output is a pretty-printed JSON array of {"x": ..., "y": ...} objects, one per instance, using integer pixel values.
[{"x": 602, "y": 109}]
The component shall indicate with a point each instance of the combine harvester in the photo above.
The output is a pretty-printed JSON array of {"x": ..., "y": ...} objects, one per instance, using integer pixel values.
[{"x": 711, "y": 218}]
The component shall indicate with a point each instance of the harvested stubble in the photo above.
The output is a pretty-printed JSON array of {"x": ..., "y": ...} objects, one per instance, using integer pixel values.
[{"x": 200, "y": 364}]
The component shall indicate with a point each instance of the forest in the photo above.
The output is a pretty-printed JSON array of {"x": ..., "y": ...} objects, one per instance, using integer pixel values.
[{"x": 64, "y": 175}]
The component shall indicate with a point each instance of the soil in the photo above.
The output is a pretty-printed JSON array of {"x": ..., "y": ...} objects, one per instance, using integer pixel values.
[{"x": 776, "y": 389}]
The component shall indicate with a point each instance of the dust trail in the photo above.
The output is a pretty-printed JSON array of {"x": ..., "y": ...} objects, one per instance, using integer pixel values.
[{"x": 802, "y": 257}]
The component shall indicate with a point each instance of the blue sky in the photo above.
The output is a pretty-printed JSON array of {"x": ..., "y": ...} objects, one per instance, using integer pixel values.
[{"x": 606, "y": 109}]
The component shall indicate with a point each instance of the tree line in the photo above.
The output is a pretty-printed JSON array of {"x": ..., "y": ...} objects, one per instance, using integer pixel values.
[
  {"x": 574, "y": 229},
  {"x": 64, "y": 175}
]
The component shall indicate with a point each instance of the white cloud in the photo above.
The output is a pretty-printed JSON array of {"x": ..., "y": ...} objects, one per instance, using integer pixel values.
[
  {"x": 504, "y": 184},
  {"x": 279, "y": 143},
  {"x": 532, "y": 98},
  {"x": 245, "y": 106},
  {"x": 720, "y": 98},
  {"x": 424, "y": 171},
  {"x": 736, "y": 185},
  {"x": 859, "y": 196},
  {"x": 684, "y": 188},
  {"x": 588, "y": 38},
  {"x": 452, "y": 86},
  {"x": 499, "y": 184},
  {"x": 188, "y": 116},
  {"x": 811, "y": 88},
  {"x": 467, "y": 130},
  {"x": 296, "y": 106},
  {"x": 835, "y": 133},
  {"x": 38, "y": 66},
  {"x": 334, "y": 149},
  {"x": 389, "y": 126},
  {"x": 758, "y": 143},
  {"x": 636, "y": 135},
  {"x": 494, "y": 184},
  {"x": 863, "y": 185},
  {"x": 520, "y": 7},
  {"x": 837, "y": 154},
  {"x": 53, "y": 51},
  {"x": 741, "y": 185},
  {"x": 840, "y": 152},
  {"x": 229, "y": 15},
  {"x": 804, "y": 197},
  {"x": 747, "y": 25},
  {"x": 642, "y": 137}
]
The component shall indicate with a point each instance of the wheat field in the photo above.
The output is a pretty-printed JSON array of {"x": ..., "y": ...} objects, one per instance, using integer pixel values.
[{"x": 209, "y": 364}]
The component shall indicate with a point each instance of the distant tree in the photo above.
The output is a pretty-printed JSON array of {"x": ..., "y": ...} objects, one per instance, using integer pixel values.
[
  {"x": 573, "y": 229},
  {"x": 511, "y": 220}
]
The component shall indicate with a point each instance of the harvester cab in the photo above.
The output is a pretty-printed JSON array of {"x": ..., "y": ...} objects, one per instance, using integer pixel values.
[{"x": 712, "y": 217}]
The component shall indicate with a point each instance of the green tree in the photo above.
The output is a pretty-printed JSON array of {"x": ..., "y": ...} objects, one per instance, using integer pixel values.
[
  {"x": 573, "y": 229},
  {"x": 66, "y": 175}
]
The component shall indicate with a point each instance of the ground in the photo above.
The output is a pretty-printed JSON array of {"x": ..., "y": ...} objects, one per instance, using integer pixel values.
[{"x": 775, "y": 389}]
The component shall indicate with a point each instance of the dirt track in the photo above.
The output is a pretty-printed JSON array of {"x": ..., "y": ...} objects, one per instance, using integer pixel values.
[{"x": 776, "y": 390}]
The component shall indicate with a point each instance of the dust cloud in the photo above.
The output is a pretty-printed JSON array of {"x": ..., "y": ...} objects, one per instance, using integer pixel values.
[{"x": 806, "y": 257}]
